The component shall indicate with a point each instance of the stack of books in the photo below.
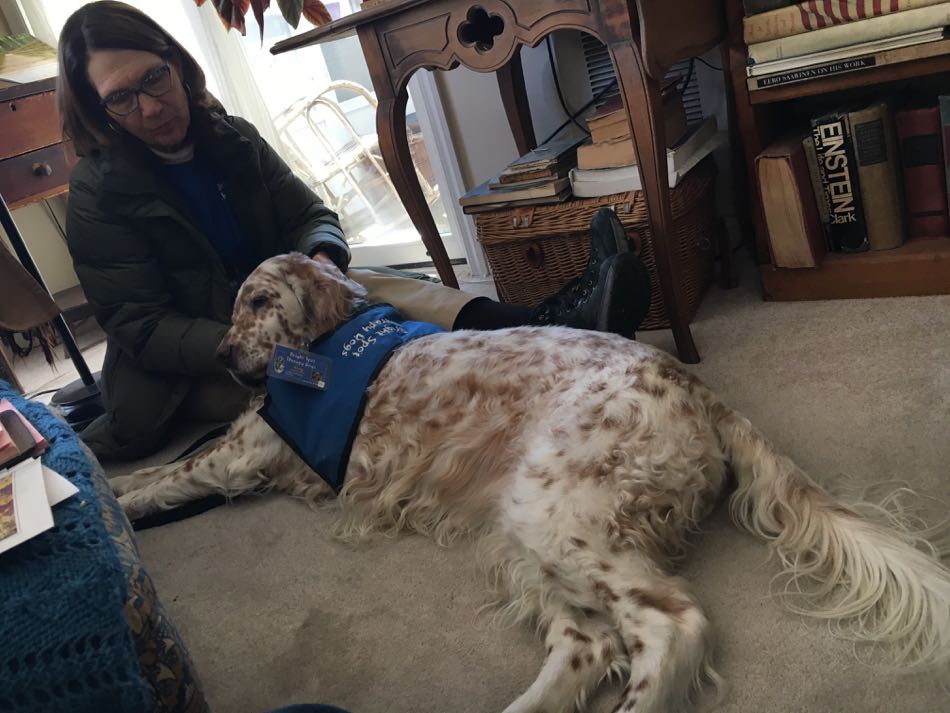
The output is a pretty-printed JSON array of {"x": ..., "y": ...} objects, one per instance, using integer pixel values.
[
  {"x": 796, "y": 41},
  {"x": 863, "y": 177},
  {"x": 611, "y": 145},
  {"x": 537, "y": 178},
  {"x": 604, "y": 173},
  {"x": 28, "y": 489}
]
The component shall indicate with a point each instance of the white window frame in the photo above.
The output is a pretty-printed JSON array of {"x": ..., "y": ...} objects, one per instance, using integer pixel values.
[{"x": 431, "y": 112}]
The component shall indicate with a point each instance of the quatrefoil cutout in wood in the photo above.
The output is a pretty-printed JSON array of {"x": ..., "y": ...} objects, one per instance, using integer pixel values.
[{"x": 480, "y": 29}]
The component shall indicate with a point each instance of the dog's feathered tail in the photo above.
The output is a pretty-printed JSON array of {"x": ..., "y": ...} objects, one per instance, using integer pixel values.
[{"x": 879, "y": 583}]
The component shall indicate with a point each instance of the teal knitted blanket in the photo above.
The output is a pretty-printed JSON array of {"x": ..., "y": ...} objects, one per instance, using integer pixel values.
[{"x": 65, "y": 644}]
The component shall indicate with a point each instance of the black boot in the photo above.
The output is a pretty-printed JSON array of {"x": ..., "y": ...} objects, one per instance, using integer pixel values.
[
  {"x": 614, "y": 299},
  {"x": 607, "y": 237}
]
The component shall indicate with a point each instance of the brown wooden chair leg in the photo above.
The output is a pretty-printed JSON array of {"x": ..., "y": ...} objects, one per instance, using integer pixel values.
[
  {"x": 729, "y": 278},
  {"x": 394, "y": 146},
  {"x": 641, "y": 96},
  {"x": 514, "y": 97}
]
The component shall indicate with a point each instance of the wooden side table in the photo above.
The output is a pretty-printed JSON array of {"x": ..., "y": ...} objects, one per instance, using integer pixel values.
[{"x": 644, "y": 38}]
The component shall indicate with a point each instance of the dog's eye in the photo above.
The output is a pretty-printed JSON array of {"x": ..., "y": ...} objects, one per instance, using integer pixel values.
[{"x": 259, "y": 302}]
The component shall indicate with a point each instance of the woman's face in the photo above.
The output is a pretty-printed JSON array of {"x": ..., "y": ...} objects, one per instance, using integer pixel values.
[{"x": 159, "y": 121}]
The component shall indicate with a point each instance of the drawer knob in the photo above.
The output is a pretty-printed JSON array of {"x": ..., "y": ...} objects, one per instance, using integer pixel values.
[{"x": 42, "y": 169}]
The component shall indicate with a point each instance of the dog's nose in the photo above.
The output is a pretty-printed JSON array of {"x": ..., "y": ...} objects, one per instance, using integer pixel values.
[{"x": 224, "y": 353}]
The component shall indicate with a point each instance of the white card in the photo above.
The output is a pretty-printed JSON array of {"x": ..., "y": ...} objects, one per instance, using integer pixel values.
[
  {"x": 57, "y": 487},
  {"x": 24, "y": 509}
]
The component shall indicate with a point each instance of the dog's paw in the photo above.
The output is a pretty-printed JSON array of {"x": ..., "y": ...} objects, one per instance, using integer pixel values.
[
  {"x": 123, "y": 484},
  {"x": 136, "y": 505}
]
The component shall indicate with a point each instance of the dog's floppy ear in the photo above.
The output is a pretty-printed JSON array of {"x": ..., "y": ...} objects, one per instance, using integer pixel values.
[{"x": 327, "y": 296}]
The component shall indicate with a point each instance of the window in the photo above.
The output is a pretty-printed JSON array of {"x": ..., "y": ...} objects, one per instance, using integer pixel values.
[
  {"x": 315, "y": 105},
  {"x": 323, "y": 107}
]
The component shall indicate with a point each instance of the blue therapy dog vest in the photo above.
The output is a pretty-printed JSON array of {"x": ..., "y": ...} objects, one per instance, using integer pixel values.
[{"x": 320, "y": 424}]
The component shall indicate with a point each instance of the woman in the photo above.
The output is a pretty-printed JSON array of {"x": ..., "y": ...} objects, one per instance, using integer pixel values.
[{"x": 173, "y": 204}]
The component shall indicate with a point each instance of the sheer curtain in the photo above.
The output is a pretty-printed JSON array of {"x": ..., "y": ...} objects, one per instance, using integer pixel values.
[
  {"x": 228, "y": 62},
  {"x": 199, "y": 30},
  {"x": 32, "y": 19}
]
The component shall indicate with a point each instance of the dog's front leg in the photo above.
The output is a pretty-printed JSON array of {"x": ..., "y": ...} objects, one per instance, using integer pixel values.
[{"x": 234, "y": 465}]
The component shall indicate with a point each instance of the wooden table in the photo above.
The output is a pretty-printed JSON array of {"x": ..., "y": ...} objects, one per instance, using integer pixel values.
[{"x": 644, "y": 38}]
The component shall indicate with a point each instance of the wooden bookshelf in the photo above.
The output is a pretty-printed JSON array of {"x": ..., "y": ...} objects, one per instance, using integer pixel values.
[{"x": 919, "y": 267}]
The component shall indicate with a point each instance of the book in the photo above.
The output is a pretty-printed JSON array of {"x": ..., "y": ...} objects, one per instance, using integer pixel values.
[
  {"x": 808, "y": 145},
  {"x": 549, "y": 160},
  {"x": 591, "y": 183},
  {"x": 834, "y": 150},
  {"x": 796, "y": 235},
  {"x": 8, "y": 448},
  {"x": 502, "y": 205},
  {"x": 802, "y": 17},
  {"x": 875, "y": 148},
  {"x": 619, "y": 153},
  {"x": 23, "y": 59},
  {"x": 875, "y": 28},
  {"x": 609, "y": 122},
  {"x": 19, "y": 440},
  {"x": 925, "y": 188},
  {"x": 535, "y": 175},
  {"x": 24, "y": 509},
  {"x": 28, "y": 492},
  {"x": 495, "y": 185},
  {"x": 843, "y": 53},
  {"x": 753, "y": 7},
  {"x": 17, "y": 443},
  {"x": 854, "y": 64},
  {"x": 484, "y": 195},
  {"x": 944, "y": 101}
]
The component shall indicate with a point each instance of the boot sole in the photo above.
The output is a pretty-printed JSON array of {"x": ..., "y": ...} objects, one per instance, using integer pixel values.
[
  {"x": 628, "y": 285},
  {"x": 621, "y": 241}
]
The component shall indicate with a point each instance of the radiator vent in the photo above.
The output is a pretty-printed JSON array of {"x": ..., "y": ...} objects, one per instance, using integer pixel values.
[{"x": 600, "y": 70}]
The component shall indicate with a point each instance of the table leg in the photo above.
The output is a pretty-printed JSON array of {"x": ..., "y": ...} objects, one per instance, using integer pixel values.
[
  {"x": 641, "y": 96},
  {"x": 394, "y": 146},
  {"x": 740, "y": 185},
  {"x": 514, "y": 97}
]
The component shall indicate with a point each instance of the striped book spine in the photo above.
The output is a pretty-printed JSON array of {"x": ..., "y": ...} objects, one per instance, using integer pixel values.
[
  {"x": 819, "y": 14},
  {"x": 839, "y": 36},
  {"x": 824, "y": 13}
]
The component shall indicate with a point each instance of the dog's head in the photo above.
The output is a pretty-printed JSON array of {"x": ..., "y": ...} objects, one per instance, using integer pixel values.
[{"x": 290, "y": 300}]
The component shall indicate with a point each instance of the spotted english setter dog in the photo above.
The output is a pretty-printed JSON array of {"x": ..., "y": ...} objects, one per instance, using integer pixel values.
[{"x": 581, "y": 462}]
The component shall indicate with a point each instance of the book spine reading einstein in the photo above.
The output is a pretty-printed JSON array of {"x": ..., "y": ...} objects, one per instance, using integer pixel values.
[{"x": 847, "y": 230}]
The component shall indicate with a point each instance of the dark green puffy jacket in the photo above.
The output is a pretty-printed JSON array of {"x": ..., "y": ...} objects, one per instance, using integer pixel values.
[{"x": 159, "y": 289}]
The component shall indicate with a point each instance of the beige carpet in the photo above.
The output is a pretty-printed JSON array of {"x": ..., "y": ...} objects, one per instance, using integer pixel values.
[{"x": 275, "y": 612}]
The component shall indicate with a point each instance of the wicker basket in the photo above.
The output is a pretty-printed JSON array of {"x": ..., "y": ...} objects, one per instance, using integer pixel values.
[{"x": 533, "y": 251}]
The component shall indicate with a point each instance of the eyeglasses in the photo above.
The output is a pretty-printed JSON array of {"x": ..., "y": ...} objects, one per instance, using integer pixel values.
[{"x": 155, "y": 83}]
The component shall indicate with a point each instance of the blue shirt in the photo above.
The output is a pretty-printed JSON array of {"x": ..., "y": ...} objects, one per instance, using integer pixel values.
[{"x": 203, "y": 192}]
